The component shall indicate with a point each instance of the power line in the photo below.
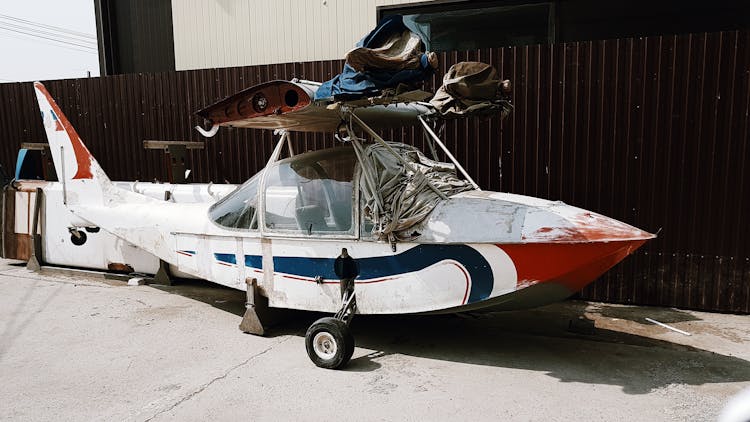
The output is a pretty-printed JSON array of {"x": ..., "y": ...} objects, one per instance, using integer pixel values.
[
  {"x": 64, "y": 43},
  {"x": 55, "y": 28},
  {"x": 88, "y": 47},
  {"x": 52, "y": 43},
  {"x": 89, "y": 43}
]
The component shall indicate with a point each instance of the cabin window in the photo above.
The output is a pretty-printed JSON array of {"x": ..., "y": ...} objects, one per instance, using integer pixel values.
[
  {"x": 238, "y": 210},
  {"x": 366, "y": 223},
  {"x": 311, "y": 193}
]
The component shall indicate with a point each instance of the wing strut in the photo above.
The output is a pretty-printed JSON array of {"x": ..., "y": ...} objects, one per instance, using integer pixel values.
[{"x": 437, "y": 140}]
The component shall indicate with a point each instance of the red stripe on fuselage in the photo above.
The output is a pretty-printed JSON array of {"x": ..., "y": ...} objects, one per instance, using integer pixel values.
[
  {"x": 380, "y": 280},
  {"x": 468, "y": 281},
  {"x": 312, "y": 280}
]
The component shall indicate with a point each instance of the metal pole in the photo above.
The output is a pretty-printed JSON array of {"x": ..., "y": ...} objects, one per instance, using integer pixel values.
[
  {"x": 64, "y": 182},
  {"x": 448, "y": 153},
  {"x": 668, "y": 327},
  {"x": 277, "y": 150},
  {"x": 380, "y": 140},
  {"x": 431, "y": 144},
  {"x": 289, "y": 145},
  {"x": 261, "y": 188}
]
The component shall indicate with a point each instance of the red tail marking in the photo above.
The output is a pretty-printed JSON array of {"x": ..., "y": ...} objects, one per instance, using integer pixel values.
[{"x": 83, "y": 156}]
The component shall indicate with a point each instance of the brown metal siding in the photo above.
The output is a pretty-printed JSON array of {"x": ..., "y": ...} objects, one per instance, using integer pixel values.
[{"x": 651, "y": 131}]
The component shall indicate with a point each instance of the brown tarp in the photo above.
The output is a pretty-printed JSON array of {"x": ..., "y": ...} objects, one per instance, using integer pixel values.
[{"x": 472, "y": 88}]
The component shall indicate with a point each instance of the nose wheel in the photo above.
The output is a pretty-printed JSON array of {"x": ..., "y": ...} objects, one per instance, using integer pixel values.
[{"x": 329, "y": 341}]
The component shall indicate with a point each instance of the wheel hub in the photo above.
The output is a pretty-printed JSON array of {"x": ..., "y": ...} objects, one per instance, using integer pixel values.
[{"x": 324, "y": 345}]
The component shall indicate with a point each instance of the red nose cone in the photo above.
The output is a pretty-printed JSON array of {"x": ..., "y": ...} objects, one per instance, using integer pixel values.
[{"x": 572, "y": 265}]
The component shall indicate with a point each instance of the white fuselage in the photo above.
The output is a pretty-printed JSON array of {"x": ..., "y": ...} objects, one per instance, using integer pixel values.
[{"x": 458, "y": 261}]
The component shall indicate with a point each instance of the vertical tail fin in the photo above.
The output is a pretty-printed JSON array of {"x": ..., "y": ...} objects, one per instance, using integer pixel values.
[{"x": 74, "y": 164}]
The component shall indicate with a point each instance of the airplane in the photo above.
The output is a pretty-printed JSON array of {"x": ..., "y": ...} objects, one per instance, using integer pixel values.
[{"x": 318, "y": 231}]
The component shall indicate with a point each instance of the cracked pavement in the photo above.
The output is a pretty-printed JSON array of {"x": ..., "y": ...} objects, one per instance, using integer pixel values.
[{"x": 74, "y": 347}]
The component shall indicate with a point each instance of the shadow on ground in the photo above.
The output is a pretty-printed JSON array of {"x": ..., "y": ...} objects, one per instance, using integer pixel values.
[
  {"x": 218, "y": 296},
  {"x": 639, "y": 314},
  {"x": 537, "y": 340}
]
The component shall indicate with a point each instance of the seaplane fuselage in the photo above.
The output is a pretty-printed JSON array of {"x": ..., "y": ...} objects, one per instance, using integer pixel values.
[{"x": 286, "y": 226}]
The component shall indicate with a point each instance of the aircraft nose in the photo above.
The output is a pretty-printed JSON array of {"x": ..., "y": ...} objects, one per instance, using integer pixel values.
[
  {"x": 596, "y": 227},
  {"x": 565, "y": 223}
]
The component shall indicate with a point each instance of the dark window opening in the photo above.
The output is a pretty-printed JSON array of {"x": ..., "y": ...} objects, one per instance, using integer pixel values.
[
  {"x": 470, "y": 25},
  {"x": 291, "y": 98},
  {"x": 484, "y": 27}
]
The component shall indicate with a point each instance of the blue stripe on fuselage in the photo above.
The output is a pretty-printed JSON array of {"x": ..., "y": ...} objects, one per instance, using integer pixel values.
[
  {"x": 226, "y": 257},
  {"x": 414, "y": 259},
  {"x": 254, "y": 261}
]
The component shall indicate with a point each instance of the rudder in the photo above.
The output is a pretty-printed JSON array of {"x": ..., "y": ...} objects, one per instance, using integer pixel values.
[{"x": 74, "y": 164}]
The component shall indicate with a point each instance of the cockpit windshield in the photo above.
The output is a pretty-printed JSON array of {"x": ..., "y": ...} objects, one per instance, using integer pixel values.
[{"x": 238, "y": 210}]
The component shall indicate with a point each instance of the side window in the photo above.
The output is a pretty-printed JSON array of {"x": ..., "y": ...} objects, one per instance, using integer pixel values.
[
  {"x": 365, "y": 221},
  {"x": 238, "y": 210},
  {"x": 311, "y": 193}
]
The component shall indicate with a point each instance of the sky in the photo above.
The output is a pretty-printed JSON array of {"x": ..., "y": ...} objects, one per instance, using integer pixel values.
[{"x": 28, "y": 57}]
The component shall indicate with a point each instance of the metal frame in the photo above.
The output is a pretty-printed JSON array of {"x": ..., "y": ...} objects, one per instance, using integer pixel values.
[{"x": 437, "y": 140}]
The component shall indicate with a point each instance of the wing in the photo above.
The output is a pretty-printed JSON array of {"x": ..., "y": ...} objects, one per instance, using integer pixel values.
[{"x": 289, "y": 105}]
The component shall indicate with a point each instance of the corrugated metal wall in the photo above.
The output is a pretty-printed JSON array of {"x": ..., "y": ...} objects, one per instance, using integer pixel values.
[
  {"x": 209, "y": 33},
  {"x": 651, "y": 131}
]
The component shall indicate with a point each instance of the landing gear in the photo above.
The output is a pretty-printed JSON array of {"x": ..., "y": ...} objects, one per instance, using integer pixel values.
[{"x": 329, "y": 341}]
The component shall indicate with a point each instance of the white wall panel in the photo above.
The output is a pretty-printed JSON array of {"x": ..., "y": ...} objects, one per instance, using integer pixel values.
[{"x": 224, "y": 33}]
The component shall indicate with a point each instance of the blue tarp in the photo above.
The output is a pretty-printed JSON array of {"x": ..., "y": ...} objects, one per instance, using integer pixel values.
[
  {"x": 351, "y": 84},
  {"x": 19, "y": 163}
]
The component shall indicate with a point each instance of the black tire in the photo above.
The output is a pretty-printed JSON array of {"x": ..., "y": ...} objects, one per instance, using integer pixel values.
[
  {"x": 78, "y": 240},
  {"x": 333, "y": 331}
]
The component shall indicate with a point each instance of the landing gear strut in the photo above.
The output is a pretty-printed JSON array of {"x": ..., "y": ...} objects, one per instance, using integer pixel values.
[{"x": 329, "y": 341}]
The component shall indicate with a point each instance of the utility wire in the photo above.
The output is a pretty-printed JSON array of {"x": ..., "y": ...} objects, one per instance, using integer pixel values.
[
  {"x": 88, "y": 47},
  {"x": 49, "y": 33},
  {"x": 55, "y": 28},
  {"x": 53, "y": 43}
]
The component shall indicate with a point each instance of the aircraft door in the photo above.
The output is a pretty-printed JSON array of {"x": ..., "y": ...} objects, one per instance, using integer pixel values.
[{"x": 311, "y": 195}]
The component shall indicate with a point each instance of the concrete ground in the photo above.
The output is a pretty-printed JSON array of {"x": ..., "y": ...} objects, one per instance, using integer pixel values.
[{"x": 81, "y": 348}]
